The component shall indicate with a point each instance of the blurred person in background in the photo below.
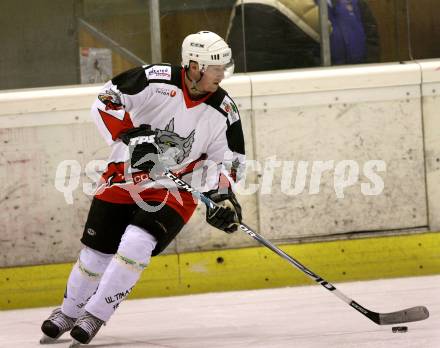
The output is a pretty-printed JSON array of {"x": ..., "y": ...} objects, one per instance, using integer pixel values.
[
  {"x": 285, "y": 34},
  {"x": 277, "y": 35},
  {"x": 354, "y": 38}
]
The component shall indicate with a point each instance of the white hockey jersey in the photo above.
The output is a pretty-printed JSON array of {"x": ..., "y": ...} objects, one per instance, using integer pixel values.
[{"x": 192, "y": 133}]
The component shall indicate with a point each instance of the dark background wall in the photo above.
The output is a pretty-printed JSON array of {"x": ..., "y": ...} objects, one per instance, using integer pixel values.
[
  {"x": 38, "y": 43},
  {"x": 40, "y": 39}
]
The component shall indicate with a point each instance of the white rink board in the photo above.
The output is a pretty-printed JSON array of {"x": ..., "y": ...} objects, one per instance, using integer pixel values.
[
  {"x": 342, "y": 113},
  {"x": 38, "y": 225},
  {"x": 303, "y": 317},
  {"x": 431, "y": 122},
  {"x": 386, "y": 130}
]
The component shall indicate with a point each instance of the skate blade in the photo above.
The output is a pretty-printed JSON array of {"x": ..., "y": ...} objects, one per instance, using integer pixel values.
[
  {"x": 48, "y": 340},
  {"x": 74, "y": 344}
]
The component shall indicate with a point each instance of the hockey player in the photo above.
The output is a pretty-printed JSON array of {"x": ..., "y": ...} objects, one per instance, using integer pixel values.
[{"x": 152, "y": 115}]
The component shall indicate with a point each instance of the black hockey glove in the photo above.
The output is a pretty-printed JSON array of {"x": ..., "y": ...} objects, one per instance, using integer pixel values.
[
  {"x": 227, "y": 215},
  {"x": 142, "y": 146}
]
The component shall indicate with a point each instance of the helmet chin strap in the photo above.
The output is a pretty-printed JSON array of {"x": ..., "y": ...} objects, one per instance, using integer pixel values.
[{"x": 194, "y": 83}]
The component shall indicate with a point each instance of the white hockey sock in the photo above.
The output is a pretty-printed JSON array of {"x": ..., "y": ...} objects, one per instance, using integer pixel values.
[
  {"x": 83, "y": 280},
  {"x": 123, "y": 272}
]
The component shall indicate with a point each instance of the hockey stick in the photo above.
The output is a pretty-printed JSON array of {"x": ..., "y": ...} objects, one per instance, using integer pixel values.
[{"x": 403, "y": 316}]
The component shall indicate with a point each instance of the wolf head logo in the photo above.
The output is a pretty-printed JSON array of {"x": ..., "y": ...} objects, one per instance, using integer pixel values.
[{"x": 173, "y": 144}]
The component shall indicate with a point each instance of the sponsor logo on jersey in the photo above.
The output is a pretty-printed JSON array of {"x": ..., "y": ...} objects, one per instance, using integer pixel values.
[
  {"x": 111, "y": 99},
  {"x": 159, "y": 72},
  {"x": 91, "y": 232},
  {"x": 166, "y": 91},
  {"x": 140, "y": 177},
  {"x": 143, "y": 139},
  {"x": 229, "y": 107}
]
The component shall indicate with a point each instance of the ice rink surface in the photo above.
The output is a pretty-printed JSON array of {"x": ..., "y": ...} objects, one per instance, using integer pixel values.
[{"x": 300, "y": 317}]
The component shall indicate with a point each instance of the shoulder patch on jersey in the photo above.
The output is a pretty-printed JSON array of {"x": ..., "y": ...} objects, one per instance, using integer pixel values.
[
  {"x": 111, "y": 99},
  {"x": 158, "y": 72},
  {"x": 228, "y": 106}
]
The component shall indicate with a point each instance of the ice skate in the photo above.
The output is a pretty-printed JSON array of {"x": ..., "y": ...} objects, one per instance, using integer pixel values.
[
  {"x": 54, "y": 326},
  {"x": 86, "y": 327}
]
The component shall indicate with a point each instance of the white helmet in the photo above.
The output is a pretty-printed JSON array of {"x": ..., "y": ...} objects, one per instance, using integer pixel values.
[{"x": 207, "y": 48}]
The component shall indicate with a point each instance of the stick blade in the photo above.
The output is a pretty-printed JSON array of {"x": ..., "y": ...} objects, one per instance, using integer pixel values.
[{"x": 404, "y": 316}]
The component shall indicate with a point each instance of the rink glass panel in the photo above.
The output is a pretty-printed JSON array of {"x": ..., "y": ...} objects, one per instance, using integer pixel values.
[{"x": 42, "y": 40}]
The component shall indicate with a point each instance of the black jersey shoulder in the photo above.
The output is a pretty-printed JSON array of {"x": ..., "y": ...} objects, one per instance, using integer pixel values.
[
  {"x": 223, "y": 103},
  {"x": 217, "y": 101},
  {"x": 131, "y": 81},
  {"x": 135, "y": 80}
]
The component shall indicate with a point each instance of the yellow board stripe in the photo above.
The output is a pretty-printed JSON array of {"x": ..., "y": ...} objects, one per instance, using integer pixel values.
[{"x": 240, "y": 269}]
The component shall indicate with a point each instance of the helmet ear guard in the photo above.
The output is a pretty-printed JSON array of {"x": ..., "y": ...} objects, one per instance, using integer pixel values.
[{"x": 207, "y": 48}]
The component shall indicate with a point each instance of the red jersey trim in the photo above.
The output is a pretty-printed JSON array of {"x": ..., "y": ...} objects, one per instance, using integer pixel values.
[
  {"x": 190, "y": 167},
  {"x": 115, "y": 194},
  {"x": 114, "y": 125},
  {"x": 188, "y": 101}
]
